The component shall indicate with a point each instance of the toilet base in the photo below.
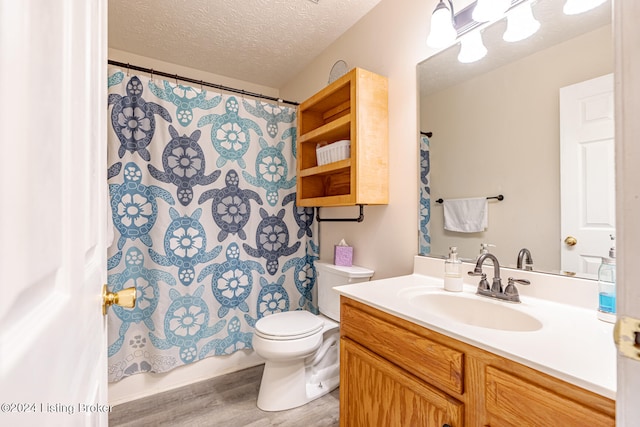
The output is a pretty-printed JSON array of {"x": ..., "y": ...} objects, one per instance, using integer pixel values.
[{"x": 287, "y": 385}]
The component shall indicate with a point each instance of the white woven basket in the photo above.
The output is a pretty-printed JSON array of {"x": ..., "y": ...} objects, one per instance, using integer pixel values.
[{"x": 333, "y": 152}]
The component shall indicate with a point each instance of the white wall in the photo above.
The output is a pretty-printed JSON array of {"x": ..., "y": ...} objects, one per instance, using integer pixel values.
[
  {"x": 145, "y": 62},
  {"x": 390, "y": 40}
]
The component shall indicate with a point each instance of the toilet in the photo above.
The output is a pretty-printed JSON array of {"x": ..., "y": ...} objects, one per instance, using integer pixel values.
[{"x": 301, "y": 349}]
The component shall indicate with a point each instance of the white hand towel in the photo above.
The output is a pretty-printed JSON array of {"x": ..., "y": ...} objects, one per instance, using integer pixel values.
[{"x": 466, "y": 215}]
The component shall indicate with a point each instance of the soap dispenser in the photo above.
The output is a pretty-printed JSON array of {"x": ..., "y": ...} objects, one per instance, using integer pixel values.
[
  {"x": 453, "y": 271},
  {"x": 607, "y": 286}
]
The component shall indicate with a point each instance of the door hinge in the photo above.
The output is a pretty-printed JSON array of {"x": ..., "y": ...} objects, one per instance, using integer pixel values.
[{"x": 626, "y": 335}]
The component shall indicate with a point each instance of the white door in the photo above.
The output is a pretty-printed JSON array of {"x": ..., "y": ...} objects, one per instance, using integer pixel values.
[
  {"x": 587, "y": 172},
  {"x": 627, "y": 34},
  {"x": 52, "y": 213}
]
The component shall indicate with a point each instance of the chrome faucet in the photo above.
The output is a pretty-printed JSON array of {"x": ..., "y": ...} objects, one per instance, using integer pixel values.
[
  {"x": 496, "y": 286},
  {"x": 525, "y": 255},
  {"x": 510, "y": 293}
]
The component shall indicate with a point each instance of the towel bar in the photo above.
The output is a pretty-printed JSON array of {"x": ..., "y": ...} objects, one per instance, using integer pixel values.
[{"x": 499, "y": 197}]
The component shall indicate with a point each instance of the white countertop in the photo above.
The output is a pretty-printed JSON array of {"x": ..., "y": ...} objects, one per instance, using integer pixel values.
[{"x": 572, "y": 343}]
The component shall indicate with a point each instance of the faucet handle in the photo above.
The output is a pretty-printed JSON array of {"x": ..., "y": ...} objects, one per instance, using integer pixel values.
[
  {"x": 511, "y": 292},
  {"x": 484, "y": 284}
]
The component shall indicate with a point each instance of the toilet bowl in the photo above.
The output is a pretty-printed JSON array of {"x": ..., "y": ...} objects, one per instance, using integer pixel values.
[{"x": 301, "y": 350}]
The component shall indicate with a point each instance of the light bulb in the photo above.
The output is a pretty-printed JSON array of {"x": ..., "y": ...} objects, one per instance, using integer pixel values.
[
  {"x": 471, "y": 48},
  {"x": 442, "y": 33},
  {"x": 490, "y": 10},
  {"x": 520, "y": 24}
]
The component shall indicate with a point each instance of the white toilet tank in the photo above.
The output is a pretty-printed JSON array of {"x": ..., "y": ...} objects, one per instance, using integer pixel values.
[{"x": 330, "y": 275}]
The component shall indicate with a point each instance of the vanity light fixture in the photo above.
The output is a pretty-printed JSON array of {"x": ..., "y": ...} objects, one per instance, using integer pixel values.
[
  {"x": 471, "y": 48},
  {"x": 520, "y": 23},
  {"x": 574, "y": 7},
  {"x": 490, "y": 10},
  {"x": 447, "y": 26},
  {"x": 442, "y": 33}
]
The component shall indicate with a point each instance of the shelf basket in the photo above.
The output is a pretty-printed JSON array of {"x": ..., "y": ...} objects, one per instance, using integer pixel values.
[{"x": 334, "y": 152}]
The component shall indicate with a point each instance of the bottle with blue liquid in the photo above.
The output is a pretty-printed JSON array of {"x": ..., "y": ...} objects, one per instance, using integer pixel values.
[{"x": 607, "y": 286}]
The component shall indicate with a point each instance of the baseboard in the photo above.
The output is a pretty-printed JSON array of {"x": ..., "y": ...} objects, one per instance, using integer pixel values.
[{"x": 147, "y": 384}]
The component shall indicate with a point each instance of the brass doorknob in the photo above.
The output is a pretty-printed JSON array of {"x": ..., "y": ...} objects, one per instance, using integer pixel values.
[
  {"x": 124, "y": 298},
  {"x": 571, "y": 241}
]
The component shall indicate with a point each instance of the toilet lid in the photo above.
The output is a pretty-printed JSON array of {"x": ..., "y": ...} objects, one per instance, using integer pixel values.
[{"x": 289, "y": 325}]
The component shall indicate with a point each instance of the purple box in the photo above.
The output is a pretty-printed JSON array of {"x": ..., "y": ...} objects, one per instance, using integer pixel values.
[{"x": 343, "y": 255}]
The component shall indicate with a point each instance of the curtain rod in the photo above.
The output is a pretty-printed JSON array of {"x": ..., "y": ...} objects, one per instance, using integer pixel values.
[{"x": 200, "y": 82}]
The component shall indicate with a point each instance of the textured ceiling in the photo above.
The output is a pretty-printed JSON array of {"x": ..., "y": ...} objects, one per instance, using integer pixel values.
[
  {"x": 265, "y": 42},
  {"x": 443, "y": 69}
]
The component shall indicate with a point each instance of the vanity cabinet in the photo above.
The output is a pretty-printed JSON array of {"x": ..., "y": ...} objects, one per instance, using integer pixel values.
[
  {"x": 354, "y": 108},
  {"x": 511, "y": 400},
  {"x": 396, "y": 373},
  {"x": 381, "y": 394}
]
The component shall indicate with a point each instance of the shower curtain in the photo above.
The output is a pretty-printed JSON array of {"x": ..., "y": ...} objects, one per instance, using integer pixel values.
[
  {"x": 424, "y": 244},
  {"x": 205, "y": 226}
]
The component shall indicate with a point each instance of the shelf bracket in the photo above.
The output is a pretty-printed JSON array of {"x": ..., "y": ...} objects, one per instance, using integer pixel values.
[{"x": 358, "y": 219}]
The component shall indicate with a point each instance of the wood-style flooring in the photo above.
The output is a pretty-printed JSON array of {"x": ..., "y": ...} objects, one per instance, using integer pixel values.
[{"x": 226, "y": 401}]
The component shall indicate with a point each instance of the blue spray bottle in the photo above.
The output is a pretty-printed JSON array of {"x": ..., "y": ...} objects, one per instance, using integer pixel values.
[{"x": 607, "y": 286}]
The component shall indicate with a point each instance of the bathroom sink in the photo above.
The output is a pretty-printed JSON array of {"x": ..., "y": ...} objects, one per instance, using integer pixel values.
[{"x": 475, "y": 310}]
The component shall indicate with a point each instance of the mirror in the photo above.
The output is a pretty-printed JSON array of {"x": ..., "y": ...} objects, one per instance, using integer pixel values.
[{"x": 496, "y": 130}]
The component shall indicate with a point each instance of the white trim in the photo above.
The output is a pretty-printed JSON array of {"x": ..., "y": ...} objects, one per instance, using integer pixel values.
[{"x": 627, "y": 95}]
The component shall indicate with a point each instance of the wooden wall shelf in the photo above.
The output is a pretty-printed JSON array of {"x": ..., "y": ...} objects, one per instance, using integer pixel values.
[{"x": 354, "y": 107}]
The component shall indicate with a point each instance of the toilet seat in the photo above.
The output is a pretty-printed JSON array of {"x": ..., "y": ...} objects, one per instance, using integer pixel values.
[{"x": 289, "y": 325}]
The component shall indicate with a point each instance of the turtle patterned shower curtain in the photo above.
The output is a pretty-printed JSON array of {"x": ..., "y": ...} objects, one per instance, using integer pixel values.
[
  {"x": 424, "y": 238},
  {"x": 205, "y": 226}
]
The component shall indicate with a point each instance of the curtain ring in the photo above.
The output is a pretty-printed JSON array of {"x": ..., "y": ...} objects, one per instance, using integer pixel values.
[
  {"x": 152, "y": 74},
  {"x": 201, "y": 82},
  {"x": 127, "y": 69},
  {"x": 176, "y": 80}
]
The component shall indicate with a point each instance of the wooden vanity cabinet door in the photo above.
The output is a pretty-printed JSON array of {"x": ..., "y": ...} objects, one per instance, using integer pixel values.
[
  {"x": 375, "y": 392},
  {"x": 514, "y": 401},
  {"x": 433, "y": 362}
]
